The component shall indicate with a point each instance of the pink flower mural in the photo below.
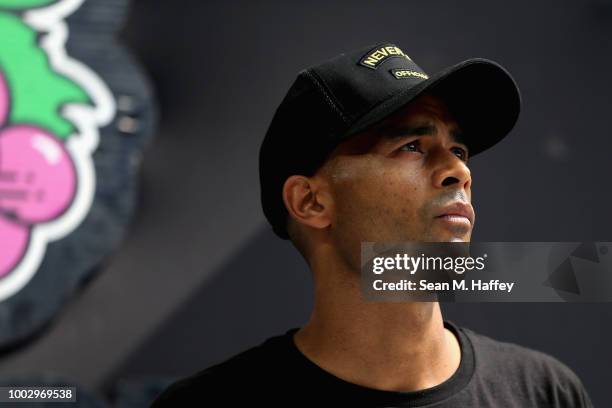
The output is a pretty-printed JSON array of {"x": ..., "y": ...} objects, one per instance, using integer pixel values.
[{"x": 37, "y": 181}]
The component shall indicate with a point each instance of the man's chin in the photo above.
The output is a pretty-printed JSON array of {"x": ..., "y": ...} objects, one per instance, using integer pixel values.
[
  {"x": 457, "y": 239},
  {"x": 451, "y": 233},
  {"x": 449, "y": 236}
]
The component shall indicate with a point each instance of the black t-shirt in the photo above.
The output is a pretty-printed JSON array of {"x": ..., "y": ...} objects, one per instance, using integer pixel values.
[{"x": 491, "y": 374}]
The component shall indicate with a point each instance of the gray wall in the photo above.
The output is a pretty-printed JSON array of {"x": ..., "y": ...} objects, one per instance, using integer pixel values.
[{"x": 201, "y": 277}]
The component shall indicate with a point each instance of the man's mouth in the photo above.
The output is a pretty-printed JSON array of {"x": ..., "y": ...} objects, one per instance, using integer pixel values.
[{"x": 457, "y": 212}]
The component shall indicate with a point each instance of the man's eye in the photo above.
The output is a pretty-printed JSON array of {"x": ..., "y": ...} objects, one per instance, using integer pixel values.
[
  {"x": 411, "y": 146},
  {"x": 460, "y": 153}
]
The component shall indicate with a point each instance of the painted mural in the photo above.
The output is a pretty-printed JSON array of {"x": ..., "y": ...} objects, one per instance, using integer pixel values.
[{"x": 51, "y": 109}]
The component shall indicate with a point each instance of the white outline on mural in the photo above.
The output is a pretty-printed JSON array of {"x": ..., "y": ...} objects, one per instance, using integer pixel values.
[{"x": 87, "y": 120}]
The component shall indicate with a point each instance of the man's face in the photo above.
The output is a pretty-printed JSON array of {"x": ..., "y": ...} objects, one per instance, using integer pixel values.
[{"x": 406, "y": 179}]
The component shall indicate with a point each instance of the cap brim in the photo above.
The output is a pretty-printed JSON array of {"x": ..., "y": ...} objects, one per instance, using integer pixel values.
[{"x": 481, "y": 95}]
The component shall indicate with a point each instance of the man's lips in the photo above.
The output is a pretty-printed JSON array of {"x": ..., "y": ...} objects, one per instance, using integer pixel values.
[{"x": 457, "y": 212}]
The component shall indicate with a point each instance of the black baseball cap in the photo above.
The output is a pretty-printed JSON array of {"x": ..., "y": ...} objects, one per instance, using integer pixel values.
[{"x": 332, "y": 101}]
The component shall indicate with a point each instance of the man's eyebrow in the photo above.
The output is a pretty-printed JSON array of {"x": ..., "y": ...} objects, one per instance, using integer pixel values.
[
  {"x": 421, "y": 129},
  {"x": 458, "y": 136}
]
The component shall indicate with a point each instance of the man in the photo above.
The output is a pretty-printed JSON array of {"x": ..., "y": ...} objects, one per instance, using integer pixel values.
[{"x": 367, "y": 147}]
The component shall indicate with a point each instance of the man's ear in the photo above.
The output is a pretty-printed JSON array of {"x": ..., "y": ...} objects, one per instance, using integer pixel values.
[{"x": 308, "y": 201}]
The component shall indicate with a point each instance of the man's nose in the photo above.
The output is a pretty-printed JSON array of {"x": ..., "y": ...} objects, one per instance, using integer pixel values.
[{"x": 451, "y": 171}]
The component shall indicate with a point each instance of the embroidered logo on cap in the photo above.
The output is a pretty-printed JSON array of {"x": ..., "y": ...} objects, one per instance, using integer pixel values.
[
  {"x": 380, "y": 54},
  {"x": 406, "y": 73}
]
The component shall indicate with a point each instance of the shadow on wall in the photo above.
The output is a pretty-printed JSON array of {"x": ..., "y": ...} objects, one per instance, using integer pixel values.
[{"x": 264, "y": 289}]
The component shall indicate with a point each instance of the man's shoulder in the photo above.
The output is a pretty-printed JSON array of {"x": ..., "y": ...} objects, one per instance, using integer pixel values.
[
  {"x": 244, "y": 370},
  {"x": 515, "y": 356},
  {"x": 525, "y": 368}
]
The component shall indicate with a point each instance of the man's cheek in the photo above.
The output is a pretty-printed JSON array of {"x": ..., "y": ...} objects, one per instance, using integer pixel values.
[{"x": 362, "y": 190}]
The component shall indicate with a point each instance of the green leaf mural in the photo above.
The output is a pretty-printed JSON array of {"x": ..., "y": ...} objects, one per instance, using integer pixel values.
[
  {"x": 37, "y": 92},
  {"x": 22, "y": 4}
]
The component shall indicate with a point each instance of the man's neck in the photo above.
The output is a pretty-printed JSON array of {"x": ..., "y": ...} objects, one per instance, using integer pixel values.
[{"x": 396, "y": 346}]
